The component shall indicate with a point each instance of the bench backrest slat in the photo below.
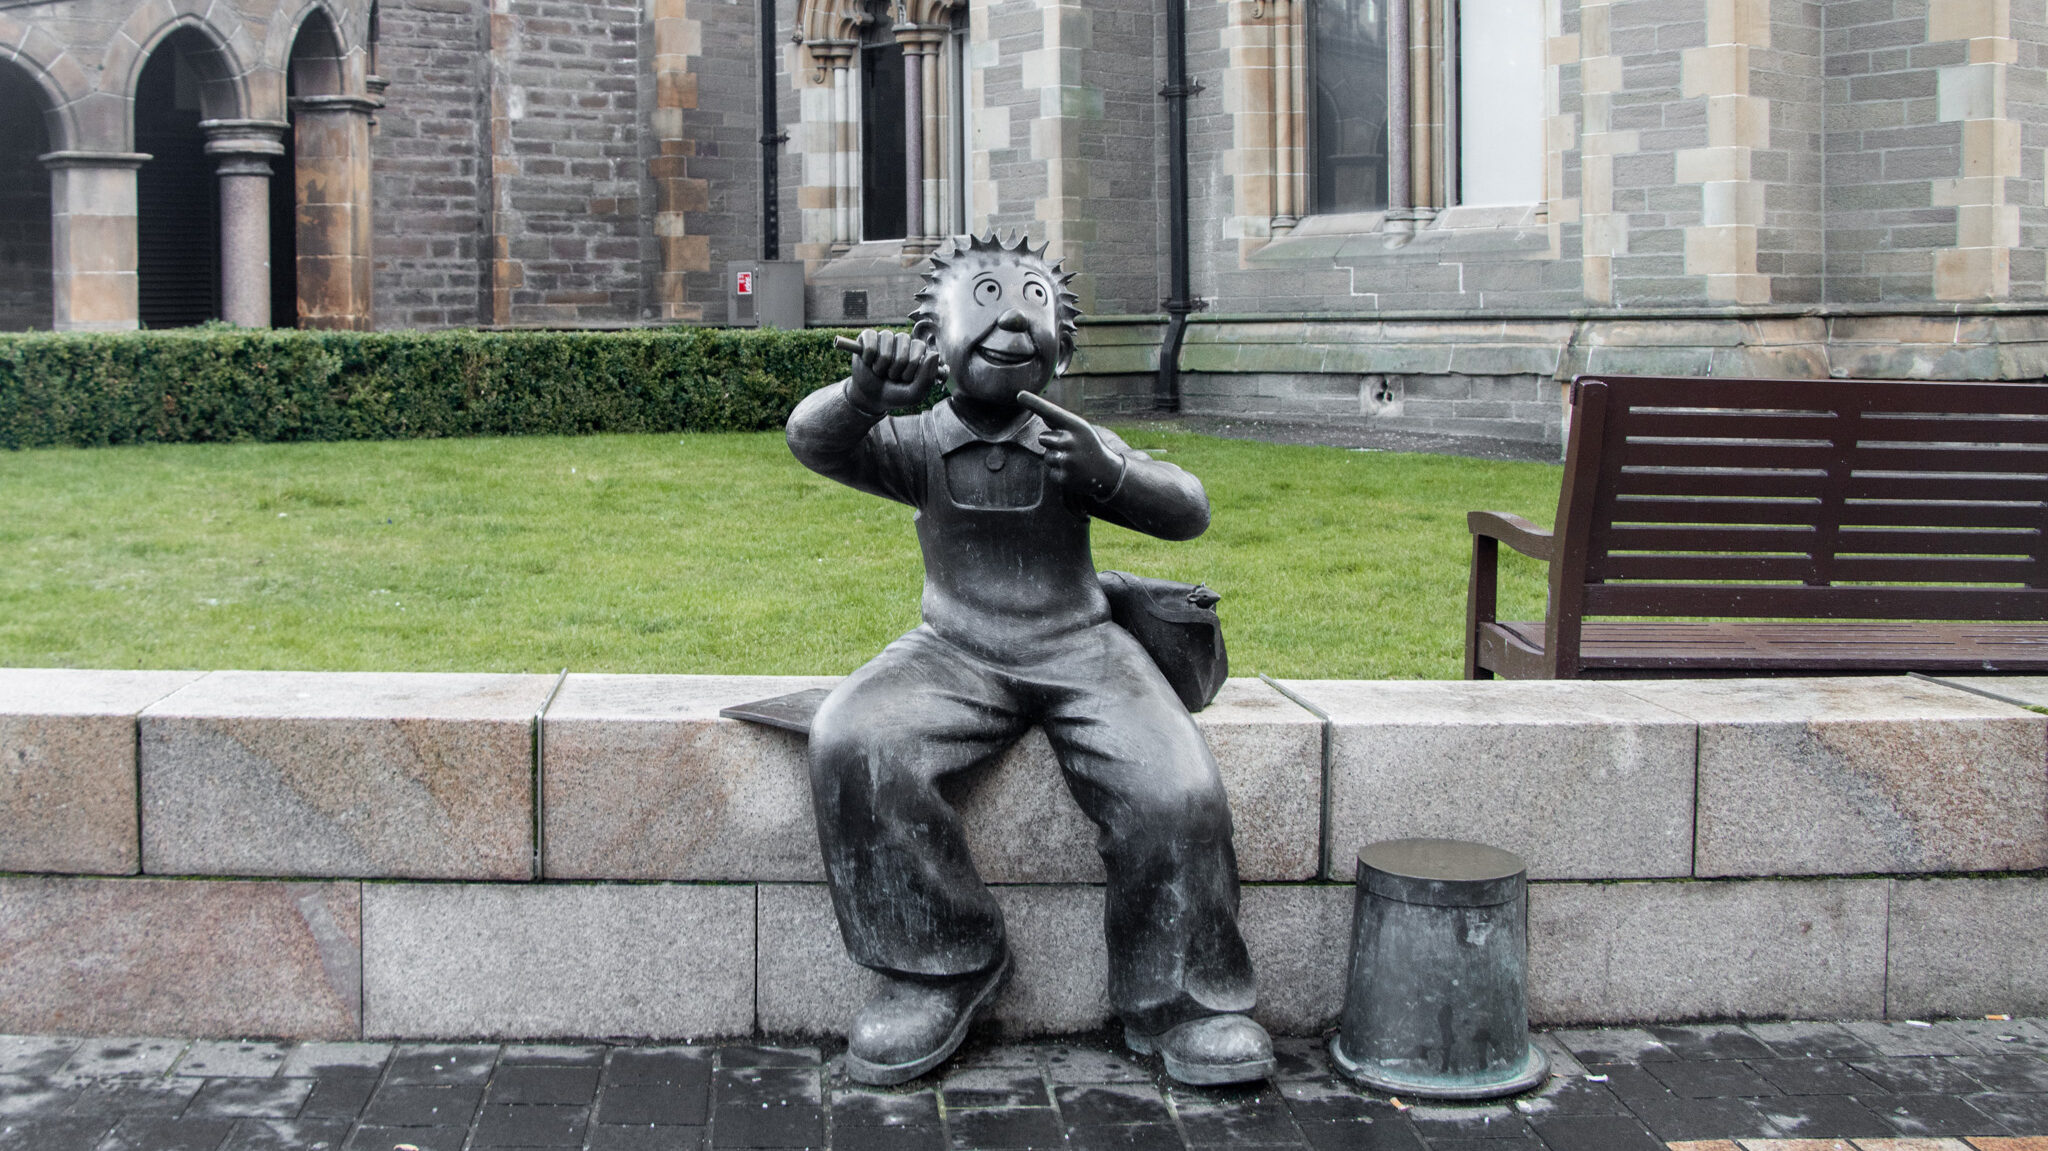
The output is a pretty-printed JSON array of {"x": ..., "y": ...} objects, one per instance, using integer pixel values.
[{"x": 1818, "y": 499}]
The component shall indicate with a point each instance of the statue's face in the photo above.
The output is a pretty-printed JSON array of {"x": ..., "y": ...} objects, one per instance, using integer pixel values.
[{"x": 998, "y": 330}]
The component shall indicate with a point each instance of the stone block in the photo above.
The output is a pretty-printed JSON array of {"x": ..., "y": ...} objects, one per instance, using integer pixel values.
[
  {"x": 204, "y": 958},
  {"x": 589, "y": 960},
  {"x": 1629, "y": 952},
  {"x": 1580, "y": 779},
  {"x": 643, "y": 781},
  {"x": 1299, "y": 936},
  {"x": 332, "y": 774},
  {"x": 809, "y": 987},
  {"x": 67, "y": 767},
  {"x": 1856, "y": 775},
  {"x": 1966, "y": 947}
]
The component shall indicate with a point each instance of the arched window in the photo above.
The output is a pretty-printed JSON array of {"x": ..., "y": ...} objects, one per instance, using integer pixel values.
[
  {"x": 1413, "y": 105},
  {"x": 884, "y": 121},
  {"x": 25, "y": 299},
  {"x": 1348, "y": 68}
]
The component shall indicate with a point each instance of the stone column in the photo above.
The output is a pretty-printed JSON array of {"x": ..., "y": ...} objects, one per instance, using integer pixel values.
[
  {"x": 1286, "y": 175},
  {"x": 244, "y": 150},
  {"x": 910, "y": 36},
  {"x": 94, "y": 287},
  {"x": 331, "y": 188},
  {"x": 1400, "y": 191},
  {"x": 834, "y": 56}
]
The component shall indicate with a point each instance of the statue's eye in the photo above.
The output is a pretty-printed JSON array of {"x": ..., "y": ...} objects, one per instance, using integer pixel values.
[
  {"x": 987, "y": 292},
  {"x": 1034, "y": 291}
]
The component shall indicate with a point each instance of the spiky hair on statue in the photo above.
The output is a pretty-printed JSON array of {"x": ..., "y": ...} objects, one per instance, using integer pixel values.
[{"x": 960, "y": 255}]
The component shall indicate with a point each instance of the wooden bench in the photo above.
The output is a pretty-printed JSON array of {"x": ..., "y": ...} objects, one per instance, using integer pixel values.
[{"x": 1798, "y": 526}]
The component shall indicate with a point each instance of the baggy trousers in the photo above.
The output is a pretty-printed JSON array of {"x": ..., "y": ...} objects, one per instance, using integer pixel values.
[{"x": 909, "y": 899}]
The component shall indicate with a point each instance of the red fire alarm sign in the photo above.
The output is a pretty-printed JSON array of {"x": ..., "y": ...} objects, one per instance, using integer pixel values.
[{"x": 746, "y": 283}]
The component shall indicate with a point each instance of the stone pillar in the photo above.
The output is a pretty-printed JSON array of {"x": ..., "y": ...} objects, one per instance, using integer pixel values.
[
  {"x": 1723, "y": 247},
  {"x": 833, "y": 58},
  {"x": 1288, "y": 47},
  {"x": 1400, "y": 191},
  {"x": 914, "y": 46},
  {"x": 244, "y": 150},
  {"x": 331, "y": 188},
  {"x": 94, "y": 287}
]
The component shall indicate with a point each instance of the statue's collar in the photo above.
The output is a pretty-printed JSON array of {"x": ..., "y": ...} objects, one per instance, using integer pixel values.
[{"x": 954, "y": 434}]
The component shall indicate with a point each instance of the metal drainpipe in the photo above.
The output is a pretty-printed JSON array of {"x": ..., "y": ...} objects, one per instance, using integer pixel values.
[
  {"x": 772, "y": 139},
  {"x": 1181, "y": 301}
]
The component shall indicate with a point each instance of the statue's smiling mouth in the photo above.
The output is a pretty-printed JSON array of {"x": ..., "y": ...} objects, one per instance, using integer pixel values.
[{"x": 1007, "y": 357}]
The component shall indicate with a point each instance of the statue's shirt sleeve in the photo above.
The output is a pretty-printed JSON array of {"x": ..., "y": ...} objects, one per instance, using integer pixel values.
[{"x": 880, "y": 455}]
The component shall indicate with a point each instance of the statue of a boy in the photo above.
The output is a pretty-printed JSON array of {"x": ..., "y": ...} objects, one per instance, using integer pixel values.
[{"x": 1016, "y": 632}]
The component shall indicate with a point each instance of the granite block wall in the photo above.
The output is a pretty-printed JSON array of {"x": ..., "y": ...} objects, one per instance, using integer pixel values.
[{"x": 1832, "y": 847}]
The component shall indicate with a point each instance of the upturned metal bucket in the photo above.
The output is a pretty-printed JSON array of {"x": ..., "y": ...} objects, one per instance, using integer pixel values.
[{"x": 1437, "y": 1003}]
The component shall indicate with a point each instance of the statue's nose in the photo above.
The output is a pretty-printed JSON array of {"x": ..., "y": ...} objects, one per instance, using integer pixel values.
[{"x": 1013, "y": 321}]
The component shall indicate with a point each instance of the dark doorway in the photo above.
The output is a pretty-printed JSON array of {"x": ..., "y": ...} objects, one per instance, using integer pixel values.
[
  {"x": 883, "y": 214},
  {"x": 178, "y": 208},
  {"x": 24, "y": 205}
]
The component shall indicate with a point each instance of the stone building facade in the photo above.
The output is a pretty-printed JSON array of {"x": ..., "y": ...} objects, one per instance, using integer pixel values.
[{"x": 1424, "y": 213}]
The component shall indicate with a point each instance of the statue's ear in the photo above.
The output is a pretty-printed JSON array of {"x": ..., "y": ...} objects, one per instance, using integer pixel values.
[
  {"x": 1066, "y": 356},
  {"x": 924, "y": 329}
]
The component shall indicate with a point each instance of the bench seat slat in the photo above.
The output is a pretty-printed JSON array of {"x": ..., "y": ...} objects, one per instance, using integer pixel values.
[
  {"x": 1891, "y": 426},
  {"x": 1962, "y": 488},
  {"x": 1705, "y": 510},
  {"x": 1787, "y": 602},
  {"x": 1808, "y": 457},
  {"x": 1975, "y": 460},
  {"x": 1613, "y": 647},
  {"x": 1781, "y": 485},
  {"x": 1891, "y": 513}
]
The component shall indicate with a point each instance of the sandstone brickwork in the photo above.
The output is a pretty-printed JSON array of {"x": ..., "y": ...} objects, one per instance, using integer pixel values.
[{"x": 1760, "y": 187}]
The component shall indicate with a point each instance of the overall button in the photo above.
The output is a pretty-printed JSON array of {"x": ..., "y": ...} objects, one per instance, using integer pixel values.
[{"x": 994, "y": 458}]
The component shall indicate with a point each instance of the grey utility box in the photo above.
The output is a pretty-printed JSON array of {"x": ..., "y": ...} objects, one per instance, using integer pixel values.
[{"x": 765, "y": 293}]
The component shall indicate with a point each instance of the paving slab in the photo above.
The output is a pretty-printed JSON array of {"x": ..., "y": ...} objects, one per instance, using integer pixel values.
[
  {"x": 643, "y": 780},
  {"x": 373, "y": 775},
  {"x": 1581, "y": 780},
  {"x": 67, "y": 743},
  {"x": 643, "y": 960},
  {"x": 1077, "y": 1091},
  {"x": 209, "y": 958},
  {"x": 1969, "y": 947},
  {"x": 1859, "y": 775},
  {"x": 1702, "y": 950},
  {"x": 232, "y": 1059}
]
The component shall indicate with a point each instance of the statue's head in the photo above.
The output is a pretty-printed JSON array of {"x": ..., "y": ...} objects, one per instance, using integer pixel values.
[{"x": 1000, "y": 316}]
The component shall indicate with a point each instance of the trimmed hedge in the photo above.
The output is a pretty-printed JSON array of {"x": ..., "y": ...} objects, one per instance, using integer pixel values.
[{"x": 220, "y": 383}]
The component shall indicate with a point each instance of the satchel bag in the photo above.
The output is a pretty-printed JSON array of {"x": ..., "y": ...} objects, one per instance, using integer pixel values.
[{"x": 1177, "y": 626}]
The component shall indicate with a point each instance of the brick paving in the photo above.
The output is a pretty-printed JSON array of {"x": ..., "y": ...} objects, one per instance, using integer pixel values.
[{"x": 1974, "y": 1085}]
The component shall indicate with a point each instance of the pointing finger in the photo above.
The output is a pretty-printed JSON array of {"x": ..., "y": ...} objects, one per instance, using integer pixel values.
[{"x": 1052, "y": 413}]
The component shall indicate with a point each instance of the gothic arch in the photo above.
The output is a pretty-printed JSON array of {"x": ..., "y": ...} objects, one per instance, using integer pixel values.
[
  {"x": 224, "y": 71},
  {"x": 830, "y": 20},
  {"x": 56, "y": 73},
  {"x": 347, "y": 23}
]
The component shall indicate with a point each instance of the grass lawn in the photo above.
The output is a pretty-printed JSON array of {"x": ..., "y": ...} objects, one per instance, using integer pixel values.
[{"x": 698, "y": 553}]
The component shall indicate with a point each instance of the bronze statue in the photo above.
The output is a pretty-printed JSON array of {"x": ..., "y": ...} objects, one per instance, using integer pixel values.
[{"x": 1016, "y": 632}]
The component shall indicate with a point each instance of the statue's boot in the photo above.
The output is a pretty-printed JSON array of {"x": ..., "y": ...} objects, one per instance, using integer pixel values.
[
  {"x": 911, "y": 1025},
  {"x": 1211, "y": 1050}
]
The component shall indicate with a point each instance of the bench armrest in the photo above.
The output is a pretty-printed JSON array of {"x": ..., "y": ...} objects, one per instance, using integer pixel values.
[{"x": 1513, "y": 531}]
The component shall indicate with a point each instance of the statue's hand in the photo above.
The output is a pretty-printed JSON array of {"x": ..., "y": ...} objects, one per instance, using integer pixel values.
[
  {"x": 1075, "y": 456},
  {"x": 891, "y": 370}
]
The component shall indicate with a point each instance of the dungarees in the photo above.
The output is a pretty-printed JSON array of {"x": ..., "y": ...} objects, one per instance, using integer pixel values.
[{"x": 1017, "y": 633}]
